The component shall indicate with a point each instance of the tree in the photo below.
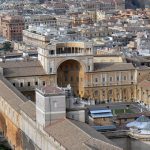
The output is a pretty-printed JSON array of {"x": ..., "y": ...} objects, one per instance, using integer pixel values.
[{"x": 7, "y": 46}]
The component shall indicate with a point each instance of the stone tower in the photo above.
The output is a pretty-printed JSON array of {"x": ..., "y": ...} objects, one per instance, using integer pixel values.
[{"x": 50, "y": 105}]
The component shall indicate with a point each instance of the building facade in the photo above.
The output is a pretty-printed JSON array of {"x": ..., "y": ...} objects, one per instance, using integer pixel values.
[
  {"x": 12, "y": 27},
  {"x": 37, "y": 20},
  {"x": 73, "y": 63}
]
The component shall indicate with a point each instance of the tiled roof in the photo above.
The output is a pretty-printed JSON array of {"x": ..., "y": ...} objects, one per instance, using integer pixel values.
[
  {"x": 19, "y": 64},
  {"x": 113, "y": 66},
  {"x": 128, "y": 116},
  {"x": 48, "y": 89},
  {"x": 72, "y": 135},
  {"x": 145, "y": 84},
  {"x": 76, "y": 135},
  {"x": 22, "y": 68}
]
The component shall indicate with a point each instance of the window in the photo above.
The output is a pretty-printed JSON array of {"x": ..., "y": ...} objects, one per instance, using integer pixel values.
[
  {"x": 71, "y": 67},
  {"x": 131, "y": 77},
  {"x": 110, "y": 92},
  {"x": 125, "y": 77},
  {"x": 66, "y": 68},
  {"x": 117, "y": 78},
  {"x": 50, "y": 70},
  {"x": 103, "y": 93},
  {"x": 96, "y": 93},
  {"x": 43, "y": 82},
  {"x": 96, "y": 80},
  {"x": 14, "y": 84},
  {"x": 110, "y": 79},
  {"x": 103, "y": 79},
  {"x": 36, "y": 83},
  {"x": 55, "y": 104},
  {"x": 51, "y": 52},
  {"x": 77, "y": 67},
  {"x": 71, "y": 79},
  {"x": 88, "y": 68},
  {"x": 21, "y": 84},
  {"x": 28, "y": 83}
]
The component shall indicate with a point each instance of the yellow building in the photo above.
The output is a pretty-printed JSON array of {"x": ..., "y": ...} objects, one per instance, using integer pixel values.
[
  {"x": 103, "y": 78},
  {"x": 74, "y": 63},
  {"x": 143, "y": 92}
]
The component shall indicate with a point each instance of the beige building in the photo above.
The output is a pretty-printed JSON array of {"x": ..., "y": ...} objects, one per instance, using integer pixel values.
[
  {"x": 111, "y": 82},
  {"x": 37, "y": 20},
  {"x": 143, "y": 92},
  {"x": 105, "y": 79},
  {"x": 104, "y": 5},
  {"x": 74, "y": 63},
  {"x": 33, "y": 38},
  {"x": 22, "y": 122}
]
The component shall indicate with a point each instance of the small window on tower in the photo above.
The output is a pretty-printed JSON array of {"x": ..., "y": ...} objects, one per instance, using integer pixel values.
[
  {"x": 103, "y": 79},
  {"x": 110, "y": 79},
  {"x": 21, "y": 84},
  {"x": 117, "y": 78},
  {"x": 55, "y": 104},
  {"x": 28, "y": 83},
  {"x": 43, "y": 83},
  {"x": 51, "y": 52},
  {"x": 50, "y": 70},
  {"x": 96, "y": 80}
]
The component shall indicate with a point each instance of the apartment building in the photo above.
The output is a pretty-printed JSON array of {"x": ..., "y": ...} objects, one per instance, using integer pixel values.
[{"x": 12, "y": 27}]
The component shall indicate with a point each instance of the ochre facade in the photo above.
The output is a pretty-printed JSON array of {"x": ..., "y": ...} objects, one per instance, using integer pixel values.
[
  {"x": 90, "y": 76},
  {"x": 11, "y": 132}
]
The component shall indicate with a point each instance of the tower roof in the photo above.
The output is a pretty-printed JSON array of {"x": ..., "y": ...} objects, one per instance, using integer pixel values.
[{"x": 51, "y": 90}]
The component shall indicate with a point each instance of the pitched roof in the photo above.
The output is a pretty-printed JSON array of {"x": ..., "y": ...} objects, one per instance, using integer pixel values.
[
  {"x": 77, "y": 135},
  {"x": 48, "y": 89},
  {"x": 144, "y": 84},
  {"x": 113, "y": 66},
  {"x": 22, "y": 68}
]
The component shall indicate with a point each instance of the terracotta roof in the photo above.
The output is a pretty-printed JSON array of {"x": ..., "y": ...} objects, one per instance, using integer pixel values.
[
  {"x": 19, "y": 64},
  {"x": 123, "y": 116},
  {"x": 138, "y": 59},
  {"x": 22, "y": 68},
  {"x": 145, "y": 84},
  {"x": 51, "y": 90},
  {"x": 113, "y": 66},
  {"x": 75, "y": 135}
]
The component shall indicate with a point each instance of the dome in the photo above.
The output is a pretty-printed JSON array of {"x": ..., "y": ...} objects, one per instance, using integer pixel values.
[
  {"x": 141, "y": 123},
  {"x": 147, "y": 127}
]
